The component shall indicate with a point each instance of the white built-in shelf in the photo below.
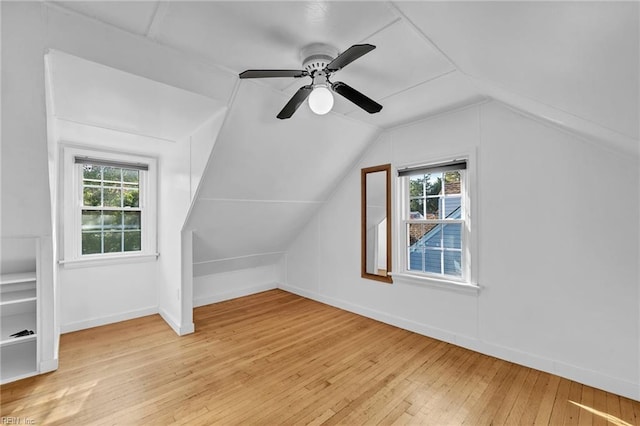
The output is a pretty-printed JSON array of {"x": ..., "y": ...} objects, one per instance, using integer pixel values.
[
  {"x": 20, "y": 296},
  {"x": 14, "y": 323},
  {"x": 18, "y": 361},
  {"x": 23, "y": 277},
  {"x": 19, "y": 303}
]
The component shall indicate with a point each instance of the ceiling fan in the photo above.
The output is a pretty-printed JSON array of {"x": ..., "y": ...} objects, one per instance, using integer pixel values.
[{"x": 320, "y": 62}]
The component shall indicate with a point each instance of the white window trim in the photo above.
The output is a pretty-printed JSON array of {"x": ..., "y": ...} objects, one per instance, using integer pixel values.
[
  {"x": 71, "y": 209},
  {"x": 469, "y": 280}
]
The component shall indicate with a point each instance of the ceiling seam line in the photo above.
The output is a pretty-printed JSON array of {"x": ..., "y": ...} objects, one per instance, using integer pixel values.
[
  {"x": 238, "y": 257},
  {"x": 113, "y": 129},
  {"x": 195, "y": 58},
  {"x": 384, "y": 27},
  {"x": 429, "y": 80},
  {"x": 489, "y": 85},
  {"x": 156, "y": 20},
  {"x": 259, "y": 201},
  {"x": 454, "y": 110},
  {"x": 421, "y": 33}
]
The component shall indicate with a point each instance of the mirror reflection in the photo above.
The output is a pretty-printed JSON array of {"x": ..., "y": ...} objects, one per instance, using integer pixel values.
[{"x": 376, "y": 226}]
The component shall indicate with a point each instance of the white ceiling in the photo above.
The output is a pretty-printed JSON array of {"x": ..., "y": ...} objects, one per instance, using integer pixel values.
[
  {"x": 578, "y": 57},
  {"x": 92, "y": 94},
  {"x": 581, "y": 57},
  {"x": 575, "y": 63}
]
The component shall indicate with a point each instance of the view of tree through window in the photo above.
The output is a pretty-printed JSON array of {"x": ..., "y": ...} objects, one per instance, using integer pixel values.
[
  {"x": 111, "y": 213},
  {"x": 434, "y": 225}
]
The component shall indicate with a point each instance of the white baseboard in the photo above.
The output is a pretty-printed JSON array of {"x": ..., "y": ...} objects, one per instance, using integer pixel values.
[
  {"x": 591, "y": 378},
  {"x": 96, "y": 322},
  {"x": 48, "y": 365},
  {"x": 228, "y": 295},
  {"x": 179, "y": 329}
]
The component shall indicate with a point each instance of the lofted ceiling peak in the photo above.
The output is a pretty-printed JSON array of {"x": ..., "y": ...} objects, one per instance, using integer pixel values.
[{"x": 574, "y": 64}]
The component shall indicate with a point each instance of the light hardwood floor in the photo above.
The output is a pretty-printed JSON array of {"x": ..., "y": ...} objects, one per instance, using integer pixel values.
[{"x": 276, "y": 358}]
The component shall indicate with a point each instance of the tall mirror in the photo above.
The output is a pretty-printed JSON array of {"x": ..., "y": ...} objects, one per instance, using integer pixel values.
[{"x": 376, "y": 223}]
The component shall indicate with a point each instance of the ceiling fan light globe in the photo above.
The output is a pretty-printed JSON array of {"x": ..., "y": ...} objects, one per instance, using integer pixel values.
[{"x": 321, "y": 100}]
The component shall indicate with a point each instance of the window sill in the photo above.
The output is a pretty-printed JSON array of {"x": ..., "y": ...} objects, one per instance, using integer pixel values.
[
  {"x": 108, "y": 260},
  {"x": 457, "y": 286}
]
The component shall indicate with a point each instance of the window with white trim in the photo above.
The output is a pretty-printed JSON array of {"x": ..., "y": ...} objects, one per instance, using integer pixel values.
[
  {"x": 109, "y": 205},
  {"x": 111, "y": 212},
  {"x": 435, "y": 227}
]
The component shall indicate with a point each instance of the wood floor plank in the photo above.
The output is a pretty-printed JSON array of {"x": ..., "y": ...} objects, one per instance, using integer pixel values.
[
  {"x": 585, "y": 418},
  {"x": 277, "y": 358}
]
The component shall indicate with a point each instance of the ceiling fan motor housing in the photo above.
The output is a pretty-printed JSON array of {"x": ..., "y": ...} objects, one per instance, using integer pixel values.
[{"x": 316, "y": 56}]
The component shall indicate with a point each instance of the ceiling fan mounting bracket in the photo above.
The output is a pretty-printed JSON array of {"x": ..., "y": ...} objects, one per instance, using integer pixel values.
[{"x": 316, "y": 56}]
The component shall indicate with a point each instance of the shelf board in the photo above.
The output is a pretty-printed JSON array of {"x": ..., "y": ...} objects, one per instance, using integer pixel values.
[
  {"x": 15, "y": 323},
  {"x": 17, "y": 278},
  {"x": 20, "y": 296},
  {"x": 15, "y": 340}
]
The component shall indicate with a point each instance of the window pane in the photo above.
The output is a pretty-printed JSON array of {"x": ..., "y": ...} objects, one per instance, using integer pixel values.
[
  {"x": 132, "y": 220},
  {"x": 452, "y": 235},
  {"x": 419, "y": 233},
  {"x": 433, "y": 183},
  {"x": 433, "y": 208},
  {"x": 132, "y": 241},
  {"x": 112, "y": 242},
  {"x": 112, "y": 174},
  {"x": 416, "y": 257},
  {"x": 433, "y": 261},
  {"x": 112, "y": 220},
  {"x": 91, "y": 197},
  {"x": 91, "y": 172},
  {"x": 452, "y": 263},
  {"x": 91, "y": 220},
  {"x": 452, "y": 207},
  {"x": 112, "y": 197},
  {"x": 452, "y": 182},
  {"x": 91, "y": 243},
  {"x": 416, "y": 186},
  {"x": 130, "y": 175},
  {"x": 130, "y": 198},
  {"x": 433, "y": 237},
  {"x": 416, "y": 208}
]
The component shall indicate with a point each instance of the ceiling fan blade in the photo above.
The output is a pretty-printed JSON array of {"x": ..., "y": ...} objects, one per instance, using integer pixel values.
[
  {"x": 356, "y": 97},
  {"x": 349, "y": 55},
  {"x": 295, "y": 102},
  {"x": 273, "y": 73}
]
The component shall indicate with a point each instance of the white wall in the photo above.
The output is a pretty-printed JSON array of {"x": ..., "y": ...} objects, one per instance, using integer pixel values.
[
  {"x": 182, "y": 169},
  {"x": 99, "y": 295},
  {"x": 215, "y": 288},
  {"x": 24, "y": 193},
  {"x": 29, "y": 30},
  {"x": 556, "y": 220}
]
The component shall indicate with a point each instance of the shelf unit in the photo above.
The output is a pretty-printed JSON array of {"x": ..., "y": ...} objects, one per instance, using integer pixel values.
[{"x": 19, "y": 311}]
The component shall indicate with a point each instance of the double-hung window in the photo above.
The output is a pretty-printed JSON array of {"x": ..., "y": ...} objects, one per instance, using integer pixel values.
[
  {"x": 111, "y": 212},
  {"x": 109, "y": 205},
  {"x": 435, "y": 227}
]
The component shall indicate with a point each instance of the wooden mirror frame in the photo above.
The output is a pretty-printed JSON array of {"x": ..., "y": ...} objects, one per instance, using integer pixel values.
[{"x": 386, "y": 168}]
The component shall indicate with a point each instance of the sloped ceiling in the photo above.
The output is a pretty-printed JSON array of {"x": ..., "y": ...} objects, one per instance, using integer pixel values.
[
  {"x": 91, "y": 94},
  {"x": 575, "y": 63},
  {"x": 579, "y": 57}
]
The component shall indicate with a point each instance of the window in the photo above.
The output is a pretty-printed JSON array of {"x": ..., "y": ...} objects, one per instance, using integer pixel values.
[
  {"x": 109, "y": 205},
  {"x": 111, "y": 212},
  {"x": 435, "y": 226}
]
